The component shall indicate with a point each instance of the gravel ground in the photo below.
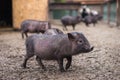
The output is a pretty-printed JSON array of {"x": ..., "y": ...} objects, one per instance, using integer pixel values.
[{"x": 103, "y": 63}]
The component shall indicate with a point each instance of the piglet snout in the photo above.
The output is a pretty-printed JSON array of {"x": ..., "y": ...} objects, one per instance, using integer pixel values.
[{"x": 91, "y": 48}]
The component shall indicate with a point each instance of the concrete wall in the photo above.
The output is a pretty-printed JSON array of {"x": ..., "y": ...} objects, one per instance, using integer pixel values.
[{"x": 29, "y": 9}]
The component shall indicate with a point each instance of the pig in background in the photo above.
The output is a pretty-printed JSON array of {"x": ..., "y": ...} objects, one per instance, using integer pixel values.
[
  {"x": 89, "y": 16},
  {"x": 70, "y": 21},
  {"x": 56, "y": 47},
  {"x": 34, "y": 26},
  {"x": 92, "y": 19},
  {"x": 53, "y": 31}
]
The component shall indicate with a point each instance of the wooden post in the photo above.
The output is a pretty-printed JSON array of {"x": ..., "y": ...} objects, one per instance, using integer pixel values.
[
  {"x": 102, "y": 8},
  {"x": 109, "y": 11},
  {"x": 118, "y": 12}
]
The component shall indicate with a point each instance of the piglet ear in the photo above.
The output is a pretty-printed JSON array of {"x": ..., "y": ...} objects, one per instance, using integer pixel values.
[{"x": 70, "y": 36}]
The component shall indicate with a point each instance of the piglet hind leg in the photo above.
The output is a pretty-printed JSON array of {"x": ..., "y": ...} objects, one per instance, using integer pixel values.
[
  {"x": 87, "y": 24},
  {"x": 22, "y": 33},
  {"x": 38, "y": 59},
  {"x": 26, "y": 34},
  {"x": 73, "y": 27},
  {"x": 65, "y": 28},
  {"x": 94, "y": 24},
  {"x": 25, "y": 60}
]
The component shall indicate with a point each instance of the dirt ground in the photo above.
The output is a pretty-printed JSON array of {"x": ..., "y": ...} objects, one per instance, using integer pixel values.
[{"x": 103, "y": 63}]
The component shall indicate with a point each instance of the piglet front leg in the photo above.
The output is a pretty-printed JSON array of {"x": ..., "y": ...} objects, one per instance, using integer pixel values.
[
  {"x": 69, "y": 59},
  {"x": 60, "y": 62}
]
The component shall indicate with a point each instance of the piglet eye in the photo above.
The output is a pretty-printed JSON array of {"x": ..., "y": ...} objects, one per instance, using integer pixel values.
[{"x": 80, "y": 42}]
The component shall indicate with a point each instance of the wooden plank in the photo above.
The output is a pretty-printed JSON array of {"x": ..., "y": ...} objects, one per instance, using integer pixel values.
[
  {"x": 118, "y": 13},
  {"x": 64, "y": 6},
  {"x": 91, "y": 1}
]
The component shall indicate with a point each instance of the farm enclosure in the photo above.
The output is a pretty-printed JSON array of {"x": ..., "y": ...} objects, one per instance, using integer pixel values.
[{"x": 100, "y": 64}]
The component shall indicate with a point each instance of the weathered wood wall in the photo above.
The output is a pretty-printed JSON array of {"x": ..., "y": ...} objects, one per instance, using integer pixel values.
[{"x": 29, "y": 9}]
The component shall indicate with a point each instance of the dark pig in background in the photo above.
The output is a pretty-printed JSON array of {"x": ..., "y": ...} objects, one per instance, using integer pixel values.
[
  {"x": 90, "y": 20},
  {"x": 34, "y": 26},
  {"x": 53, "y": 31},
  {"x": 56, "y": 47},
  {"x": 70, "y": 21},
  {"x": 98, "y": 16}
]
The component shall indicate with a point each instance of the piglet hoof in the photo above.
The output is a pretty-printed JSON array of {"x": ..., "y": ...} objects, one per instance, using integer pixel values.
[
  {"x": 62, "y": 70},
  {"x": 66, "y": 68},
  {"x": 44, "y": 69},
  {"x": 24, "y": 67}
]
